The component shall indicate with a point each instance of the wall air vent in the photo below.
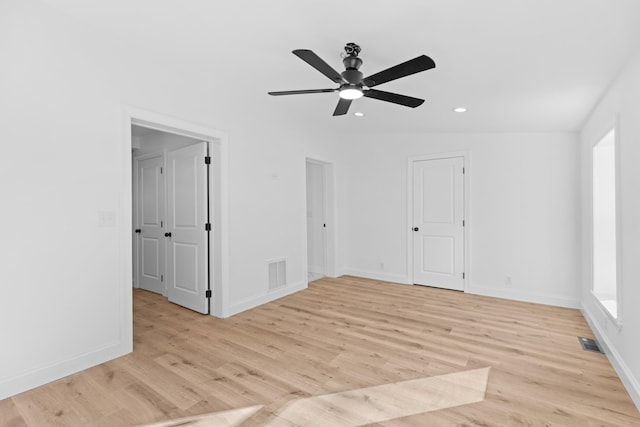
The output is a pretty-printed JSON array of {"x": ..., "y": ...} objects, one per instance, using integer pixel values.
[{"x": 277, "y": 273}]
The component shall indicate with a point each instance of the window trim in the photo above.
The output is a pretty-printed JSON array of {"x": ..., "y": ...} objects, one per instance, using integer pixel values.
[{"x": 612, "y": 125}]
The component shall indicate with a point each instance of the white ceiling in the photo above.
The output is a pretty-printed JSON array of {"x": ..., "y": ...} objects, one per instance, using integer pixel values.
[{"x": 517, "y": 65}]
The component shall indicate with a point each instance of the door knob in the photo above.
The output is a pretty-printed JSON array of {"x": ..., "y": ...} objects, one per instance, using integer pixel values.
[
  {"x": 138, "y": 231},
  {"x": 167, "y": 234},
  {"x": 416, "y": 229}
]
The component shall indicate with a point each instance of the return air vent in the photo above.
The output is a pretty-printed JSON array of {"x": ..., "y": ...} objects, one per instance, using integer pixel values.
[
  {"x": 277, "y": 273},
  {"x": 589, "y": 344}
]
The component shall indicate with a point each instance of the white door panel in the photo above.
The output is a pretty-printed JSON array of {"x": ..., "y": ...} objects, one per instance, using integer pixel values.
[
  {"x": 437, "y": 190},
  {"x": 187, "y": 251},
  {"x": 438, "y": 237},
  {"x": 150, "y": 212},
  {"x": 438, "y": 254}
]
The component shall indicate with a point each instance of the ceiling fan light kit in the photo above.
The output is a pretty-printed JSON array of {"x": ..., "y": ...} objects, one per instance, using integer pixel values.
[
  {"x": 350, "y": 93},
  {"x": 354, "y": 85}
]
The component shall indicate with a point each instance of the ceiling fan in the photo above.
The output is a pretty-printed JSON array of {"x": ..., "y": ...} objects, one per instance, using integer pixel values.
[{"x": 352, "y": 83}]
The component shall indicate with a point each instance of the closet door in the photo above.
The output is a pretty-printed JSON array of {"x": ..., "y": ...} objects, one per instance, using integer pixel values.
[{"x": 438, "y": 223}]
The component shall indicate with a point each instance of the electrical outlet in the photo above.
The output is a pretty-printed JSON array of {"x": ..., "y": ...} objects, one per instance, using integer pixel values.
[
  {"x": 507, "y": 280},
  {"x": 382, "y": 266}
]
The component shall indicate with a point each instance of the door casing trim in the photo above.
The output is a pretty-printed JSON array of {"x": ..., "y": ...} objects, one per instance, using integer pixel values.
[{"x": 219, "y": 144}]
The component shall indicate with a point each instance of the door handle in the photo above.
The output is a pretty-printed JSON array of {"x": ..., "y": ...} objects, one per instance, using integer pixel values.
[
  {"x": 138, "y": 231},
  {"x": 416, "y": 229},
  {"x": 167, "y": 234}
]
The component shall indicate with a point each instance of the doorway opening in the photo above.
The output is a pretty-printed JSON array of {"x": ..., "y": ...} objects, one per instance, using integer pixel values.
[
  {"x": 320, "y": 224},
  {"x": 604, "y": 232},
  {"x": 211, "y": 146},
  {"x": 149, "y": 151},
  {"x": 172, "y": 217}
]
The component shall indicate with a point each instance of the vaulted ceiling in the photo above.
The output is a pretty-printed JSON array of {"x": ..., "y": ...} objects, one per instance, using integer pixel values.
[{"x": 516, "y": 65}]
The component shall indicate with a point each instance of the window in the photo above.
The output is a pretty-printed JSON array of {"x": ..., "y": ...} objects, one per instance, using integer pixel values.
[{"x": 605, "y": 282}]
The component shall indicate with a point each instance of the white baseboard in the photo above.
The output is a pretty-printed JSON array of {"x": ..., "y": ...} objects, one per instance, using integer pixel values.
[
  {"x": 376, "y": 275},
  {"x": 629, "y": 381},
  {"x": 273, "y": 295},
  {"x": 60, "y": 369},
  {"x": 523, "y": 296}
]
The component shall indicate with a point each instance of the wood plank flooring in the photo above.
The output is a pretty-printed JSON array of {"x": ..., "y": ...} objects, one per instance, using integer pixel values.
[{"x": 340, "y": 335}]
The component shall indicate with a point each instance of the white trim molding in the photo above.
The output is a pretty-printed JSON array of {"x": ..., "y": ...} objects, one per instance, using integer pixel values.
[
  {"x": 516, "y": 295},
  {"x": 61, "y": 368},
  {"x": 270, "y": 296},
  {"x": 375, "y": 275},
  {"x": 630, "y": 382}
]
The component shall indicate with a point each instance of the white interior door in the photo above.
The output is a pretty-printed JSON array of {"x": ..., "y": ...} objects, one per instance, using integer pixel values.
[
  {"x": 438, "y": 227},
  {"x": 316, "y": 223},
  {"x": 150, "y": 217},
  {"x": 187, "y": 249}
]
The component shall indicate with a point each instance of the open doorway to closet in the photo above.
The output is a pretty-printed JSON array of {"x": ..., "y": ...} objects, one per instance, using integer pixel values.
[
  {"x": 171, "y": 213},
  {"x": 320, "y": 224},
  {"x": 173, "y": 189}
]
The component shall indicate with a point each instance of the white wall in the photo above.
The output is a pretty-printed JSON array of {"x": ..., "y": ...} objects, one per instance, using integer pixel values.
[
  {"x": 64, "y": 87},
  {"x": 623, "y": 101},
  {"x": 524, "y": 219}
]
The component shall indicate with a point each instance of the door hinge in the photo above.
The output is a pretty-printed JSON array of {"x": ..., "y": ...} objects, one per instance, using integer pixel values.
[
  {"x": 463, "y": 275},
  {"x": 161, "y": 224},
  {"x": 208, "y": 293},
  {"x": 207, "y": 227},
  {"x": 463, "y": 171},
  {"x": 463, "y": 222},
  {"x": 162, "y": 277},
  {"x": 160, "y": 169},
  {"x": 207, "y": 160}
]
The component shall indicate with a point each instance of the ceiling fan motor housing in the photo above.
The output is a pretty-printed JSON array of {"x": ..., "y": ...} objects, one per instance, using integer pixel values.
[{"x": 352, "y": 76}]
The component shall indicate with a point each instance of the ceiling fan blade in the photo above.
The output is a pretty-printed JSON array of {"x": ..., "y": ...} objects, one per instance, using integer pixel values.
[
  {"x": 415, "y": 65},
  {"x": 316, "y": 62},
  {"x": 407, "y": 101},
  {"x": 342, "y": 107},
  {"x": 301, "y": 92}
]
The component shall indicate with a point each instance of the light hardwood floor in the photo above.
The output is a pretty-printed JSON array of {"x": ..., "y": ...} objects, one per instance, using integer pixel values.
[{"x": 339, "y": 335}]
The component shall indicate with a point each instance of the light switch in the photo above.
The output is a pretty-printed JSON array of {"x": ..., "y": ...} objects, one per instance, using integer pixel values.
[{"x": 106, "y": 219}]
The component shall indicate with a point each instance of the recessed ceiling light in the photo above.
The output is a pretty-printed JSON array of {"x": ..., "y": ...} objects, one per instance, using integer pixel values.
[
  {"x": 459, "y": 109},
  {"x": 358, "y": 114}
]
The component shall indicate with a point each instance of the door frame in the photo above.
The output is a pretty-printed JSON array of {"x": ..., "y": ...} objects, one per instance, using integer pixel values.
[
  {"x": 466, "y": 157},
  {"x": 219, "y": 189},
  {"x": 329, "y": 207}
]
